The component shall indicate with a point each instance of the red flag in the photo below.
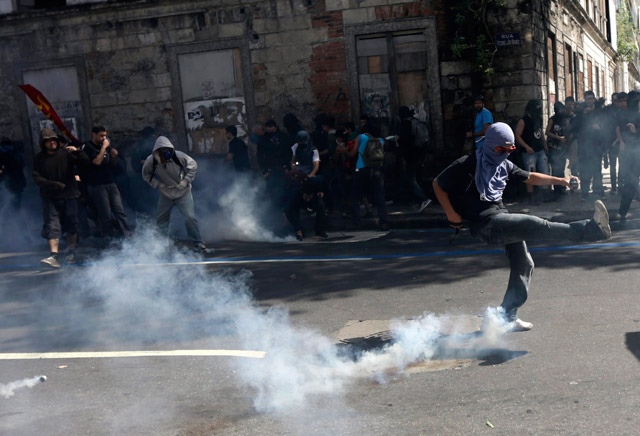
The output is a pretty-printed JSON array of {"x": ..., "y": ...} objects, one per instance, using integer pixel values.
[{"x": 43, "y": 104}]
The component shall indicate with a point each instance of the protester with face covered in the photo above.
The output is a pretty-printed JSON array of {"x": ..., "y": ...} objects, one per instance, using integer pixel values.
[
  {"x": 309, "y": 197},
  {"x": 589, "y": 131},
  {"x": 471, "y": 190},
  {"x": 529, "y": 136},
  {"x": 53, "y": 172},
  {"x": 171, "y": 172},
  {"x": 12, "y": 172},
  {"x": 629, "y": 155},
  {"x": 100, "y": 180},
  {"x": 306, "y": 157},
  {"x": 274, "y": 158},
  {"x": 557, "y": 141}
]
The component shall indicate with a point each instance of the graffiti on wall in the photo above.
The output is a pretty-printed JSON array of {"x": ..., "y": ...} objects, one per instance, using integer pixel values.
[
  {"x": 206, "y": 121},
  {"x": 376, "y": 105},
  {"x": 70, "y": 123}
]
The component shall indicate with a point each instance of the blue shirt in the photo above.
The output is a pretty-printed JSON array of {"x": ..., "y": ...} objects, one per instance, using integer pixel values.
[
  {"x": 362, "y": 144},
  {"x": 484, "y": 117}
]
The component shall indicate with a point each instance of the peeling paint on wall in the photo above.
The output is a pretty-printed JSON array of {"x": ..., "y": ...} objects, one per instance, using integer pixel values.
[{"x": 206, "y": 121}]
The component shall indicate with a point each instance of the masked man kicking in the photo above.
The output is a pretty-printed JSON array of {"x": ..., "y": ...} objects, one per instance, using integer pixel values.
[{"x": 471, "y": 189}]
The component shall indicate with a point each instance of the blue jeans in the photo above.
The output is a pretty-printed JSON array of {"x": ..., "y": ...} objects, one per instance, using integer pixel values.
[
  {"x": 536, "y": 162},
  {"x": 511, "y": 230},
  {"x": 186, "y": 208},
  {"x": 558, "y": 161}
]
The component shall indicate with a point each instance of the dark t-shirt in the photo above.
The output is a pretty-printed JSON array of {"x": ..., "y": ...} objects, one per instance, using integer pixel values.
[
  {"x": 238, "y": 148},
  {"x": 458, "y": 180},
  {"x": 97, "y": 174},
  {"x": 559, "y": 127},
  {"x": 532, "y": 134},
  {"x": 622, "y": 119}
]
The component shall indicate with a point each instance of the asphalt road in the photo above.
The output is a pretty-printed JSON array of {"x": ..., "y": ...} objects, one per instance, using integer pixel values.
[{"x": 576, "y": 373}]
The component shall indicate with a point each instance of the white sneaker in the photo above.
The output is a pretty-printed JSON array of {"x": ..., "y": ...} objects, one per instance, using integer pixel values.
[
  {"x": 521, "y": 326},
  {"x": 50, "y": 261},
  {"x": 601, "y": 218}
]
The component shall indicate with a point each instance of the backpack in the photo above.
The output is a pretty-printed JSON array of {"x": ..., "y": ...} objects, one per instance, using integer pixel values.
[
  {"x": 420, "y": 133},
  {"x": 373, "y": 155}
]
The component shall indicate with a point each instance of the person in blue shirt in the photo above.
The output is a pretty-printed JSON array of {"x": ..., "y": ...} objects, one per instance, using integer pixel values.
[
  {"x": 483, "y": 120},
  {"x": 367, "y": 179}
]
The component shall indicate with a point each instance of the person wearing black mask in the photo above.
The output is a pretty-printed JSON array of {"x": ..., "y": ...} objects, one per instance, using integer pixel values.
[
  {"x": 53, "y": 172},
  {"x": 11, "y": 172},
  {"x": 557, "y": 133},
  {"x": 274, "y": 158},
  {"x": 529, "y": 136},
  {"x": 310, "y": 197}
]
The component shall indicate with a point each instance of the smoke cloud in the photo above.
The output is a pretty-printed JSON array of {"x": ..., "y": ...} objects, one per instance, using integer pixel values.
[{"x": 8, "y": 390}]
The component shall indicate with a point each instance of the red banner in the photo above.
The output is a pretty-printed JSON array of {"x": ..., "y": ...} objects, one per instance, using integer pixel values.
[{"x": 43, "y": 104}]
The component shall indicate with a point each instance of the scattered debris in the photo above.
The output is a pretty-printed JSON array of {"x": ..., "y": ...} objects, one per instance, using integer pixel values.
[{"x": 490, "y": 425}]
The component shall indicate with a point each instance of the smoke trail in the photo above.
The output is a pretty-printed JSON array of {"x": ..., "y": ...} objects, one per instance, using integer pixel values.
[{"x": 8, "y": 390}]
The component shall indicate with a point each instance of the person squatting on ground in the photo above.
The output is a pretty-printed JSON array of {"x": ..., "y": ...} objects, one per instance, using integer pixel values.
[
  {"x": 101, "y": 186},
  {"x": 310, "y": 197},
  {"x": 12, "y": 172},
  {"x": 171, "y": 172},
  {"x": 529, "y": 136},
  {"x": 53, "y": 172},
  {"x": 471, "y": 189}
]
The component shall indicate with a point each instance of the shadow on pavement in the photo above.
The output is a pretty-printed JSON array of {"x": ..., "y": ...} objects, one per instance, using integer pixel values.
[{"x": 633, "y": 343}]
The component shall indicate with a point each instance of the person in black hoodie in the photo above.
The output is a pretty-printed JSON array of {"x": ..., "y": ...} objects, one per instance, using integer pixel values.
[
  {"x": 274, "y": 158},
  {"x": 11, "y": 171},
  {"x": 53, "y": 172}
]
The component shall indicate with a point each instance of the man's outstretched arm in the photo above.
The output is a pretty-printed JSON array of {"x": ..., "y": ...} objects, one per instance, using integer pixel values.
[{"x": 540, "y": 179}]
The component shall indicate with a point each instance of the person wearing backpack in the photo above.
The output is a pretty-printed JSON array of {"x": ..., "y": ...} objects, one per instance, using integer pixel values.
[
  {"x": 412, "y": 139},
  {"x": 171, "y": 172},
  {"x": 368, "y": 175}
]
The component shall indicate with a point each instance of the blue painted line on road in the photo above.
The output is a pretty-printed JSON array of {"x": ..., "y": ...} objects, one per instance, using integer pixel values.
[{"x": 231, "y": 260}]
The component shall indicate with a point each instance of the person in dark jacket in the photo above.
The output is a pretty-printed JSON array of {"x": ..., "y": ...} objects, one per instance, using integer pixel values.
[
  {"x": 53, "y": 172},
  {"x": 274, "y": 158},
  {"x": 310, "y": 197},
  {"x": 238, "y": 151},
  {"x": 413, "y": 156},
  {"x": 12, "y": 171},
  {"x": 101, "y": 184}
]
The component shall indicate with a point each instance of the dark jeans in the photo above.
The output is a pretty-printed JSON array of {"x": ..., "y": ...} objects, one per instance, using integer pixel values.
[
  {"x": 614, "y": 151},
  {"x": 629, "y": 174},
  {"x": 316, "y": 205},
  {"x": 511, "y": 230},
  {"x": 109, "y": 207},
  {"x": 591, "y": 169},
  {"x": 373, "y": 179},
  {"x": 558, "y": 162},
  {"x": 59, "y": 216},
  {"x": 186, "y": 207}
]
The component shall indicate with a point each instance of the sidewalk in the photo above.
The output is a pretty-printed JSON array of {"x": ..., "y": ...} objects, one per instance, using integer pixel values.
[{"x": 569, "y": 207}]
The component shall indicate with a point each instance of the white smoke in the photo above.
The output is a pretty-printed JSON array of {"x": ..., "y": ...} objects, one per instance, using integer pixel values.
[
  {"x": 8, "y": 390},
  {"x": 149, "y": 292}
]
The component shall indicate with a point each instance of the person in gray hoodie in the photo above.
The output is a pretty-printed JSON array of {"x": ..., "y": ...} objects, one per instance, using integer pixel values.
[{"x": 171, "y": 172}]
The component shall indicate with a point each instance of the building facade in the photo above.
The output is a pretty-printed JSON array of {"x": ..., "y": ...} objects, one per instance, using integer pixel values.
[{"x": 190, "y": 68}]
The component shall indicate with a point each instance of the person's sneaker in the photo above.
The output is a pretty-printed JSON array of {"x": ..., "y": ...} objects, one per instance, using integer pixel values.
[
  {"x": 521, "y": 326},
  {"x": 51, "y": 261},
  {"x": 202, "y": 249},
  {"x": 424, "y": 205},
  {"x": 322, "y": 234},
  {"x": 601, "y": 218},
  {"x": 71, "y": 258}
]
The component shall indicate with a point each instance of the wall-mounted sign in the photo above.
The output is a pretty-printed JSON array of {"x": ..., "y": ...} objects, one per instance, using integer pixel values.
[{"x": 507, "y": 39}]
